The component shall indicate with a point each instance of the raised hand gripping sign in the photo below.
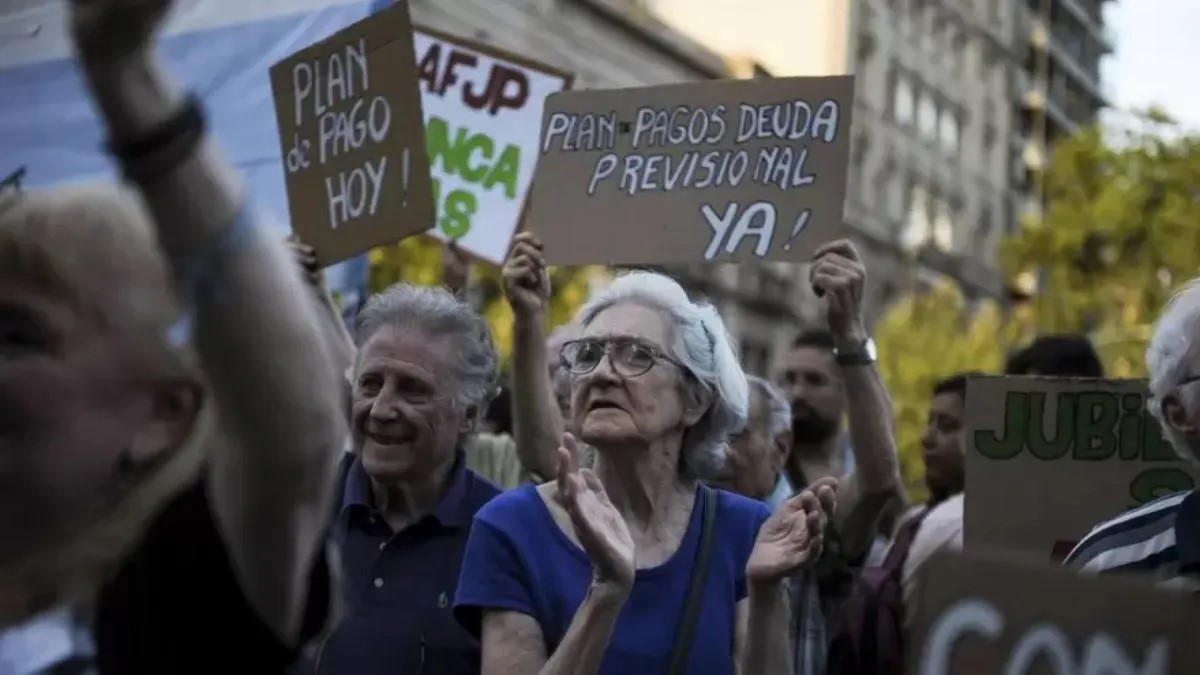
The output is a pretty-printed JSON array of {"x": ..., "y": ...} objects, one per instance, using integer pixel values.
[
  {"x": 349, "y": 114},
  {"x": 703, "y": 172}
]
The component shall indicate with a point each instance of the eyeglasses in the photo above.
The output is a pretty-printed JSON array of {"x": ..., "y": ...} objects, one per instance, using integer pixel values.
[{"x": 630, "y": 358}]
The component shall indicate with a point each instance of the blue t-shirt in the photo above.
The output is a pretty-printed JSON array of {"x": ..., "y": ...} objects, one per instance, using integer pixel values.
[{"x": 518, "y": 559}]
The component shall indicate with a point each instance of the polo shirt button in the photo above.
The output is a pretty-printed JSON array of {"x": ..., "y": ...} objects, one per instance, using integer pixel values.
[{"x": 378, "y": 582}]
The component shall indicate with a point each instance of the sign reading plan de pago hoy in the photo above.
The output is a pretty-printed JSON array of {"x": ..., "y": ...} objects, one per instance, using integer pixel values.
[
  {"x": 483, "y": 108},
  {"x": 978, "y": 615},
  {"x": 349, "y": 114},
  {"x": 706, "y": 172},
  {"x": 1049, "y": 458}
]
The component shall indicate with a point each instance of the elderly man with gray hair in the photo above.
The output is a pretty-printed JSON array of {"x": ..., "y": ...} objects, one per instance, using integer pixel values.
[
  {"x": 424, "y": 373},
  {"x": 1161, "y": 538},
  {"x": 758, "y": 452}
]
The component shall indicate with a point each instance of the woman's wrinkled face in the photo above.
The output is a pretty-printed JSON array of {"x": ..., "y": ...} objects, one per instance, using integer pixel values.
[
  {"x": 69, "y": 410},
  {"x": 404, "y": 417},
  {"x": 609, "y": 409}
]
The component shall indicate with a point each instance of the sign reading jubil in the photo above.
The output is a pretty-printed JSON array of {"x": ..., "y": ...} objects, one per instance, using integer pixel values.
[
  {"x": 1049, "y": 458},
  {"x": 483, "y": 110}
]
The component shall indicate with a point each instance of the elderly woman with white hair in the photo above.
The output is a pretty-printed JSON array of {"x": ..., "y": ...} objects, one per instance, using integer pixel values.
[
  {"x": 635, "y": 566},
  {"x": 1162, "y": 538}
]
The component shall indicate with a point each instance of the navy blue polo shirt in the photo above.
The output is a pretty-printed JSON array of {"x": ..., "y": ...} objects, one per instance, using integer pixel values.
[{"x": 398, "y": 587}]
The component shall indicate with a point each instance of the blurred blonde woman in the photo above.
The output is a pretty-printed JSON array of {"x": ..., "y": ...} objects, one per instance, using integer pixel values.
[{"x": 165, "y": 466}]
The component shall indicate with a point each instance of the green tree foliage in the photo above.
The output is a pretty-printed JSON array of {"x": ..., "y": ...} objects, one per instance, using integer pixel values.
[
  {"x": 418, "y": 260},
  {"x": 1120, "y": 232},
  {"x": 927, "y": 337}
]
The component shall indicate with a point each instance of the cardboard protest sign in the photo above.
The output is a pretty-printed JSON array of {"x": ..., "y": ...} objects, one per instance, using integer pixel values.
[
  {"x": 1048, "y": 459},
  {"x": 483, "y": 111},
  {"x": 350, "y": 123},
  {"x": 984, "y": 616},
  {"x": 701, "y": 172}
]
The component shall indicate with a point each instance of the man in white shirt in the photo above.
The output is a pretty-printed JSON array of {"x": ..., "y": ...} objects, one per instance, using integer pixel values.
[{"x": 939, "y": 521}]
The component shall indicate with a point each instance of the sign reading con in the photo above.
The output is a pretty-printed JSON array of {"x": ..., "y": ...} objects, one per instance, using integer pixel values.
[
  {"x": 706, "y": 172},
  {"x": 984, "y": 616},
  {"x": 349, "y": 114},
  {"x": 483, "y": 108},
  {"x": 1047, "y": 459}
]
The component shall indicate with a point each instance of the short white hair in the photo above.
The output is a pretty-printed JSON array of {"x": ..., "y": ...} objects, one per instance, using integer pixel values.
[
  {"x": 778, "y": 410},
  {"x": 1168, "y": 360},
  {"x": 703, "y": 345}
]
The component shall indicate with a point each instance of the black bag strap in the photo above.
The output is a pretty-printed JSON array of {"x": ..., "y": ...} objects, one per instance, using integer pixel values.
[{"x": 686, "y": 629}]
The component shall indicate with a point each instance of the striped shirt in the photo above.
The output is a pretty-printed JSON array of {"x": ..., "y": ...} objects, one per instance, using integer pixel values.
[{"x": 1160, "y": 539}]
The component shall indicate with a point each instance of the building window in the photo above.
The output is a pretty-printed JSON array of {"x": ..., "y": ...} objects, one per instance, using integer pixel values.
[
  {"x": 916, "y": 225},
  {"x": 927, "y": 115},
  {"x": 943, "y": 225},
  {"x": 983, "y": 235},
  {"x": 949, "y": 132},
  {"x": 902, "y": 100},
  {"x": 958, "y": 49}
]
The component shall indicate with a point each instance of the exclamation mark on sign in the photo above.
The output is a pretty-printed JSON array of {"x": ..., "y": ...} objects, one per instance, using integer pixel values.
[
  {"x": 404, "y": 175},
  {"x": 801, "y": 223}
]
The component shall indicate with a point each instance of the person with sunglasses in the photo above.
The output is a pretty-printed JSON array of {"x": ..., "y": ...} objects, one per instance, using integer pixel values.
[{"x": 634, "y": 566}]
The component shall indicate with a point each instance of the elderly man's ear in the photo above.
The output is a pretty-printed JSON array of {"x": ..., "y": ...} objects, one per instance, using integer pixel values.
[
  {"x": 1177, "y": 415},
  {"x": 470, "y": 417}
]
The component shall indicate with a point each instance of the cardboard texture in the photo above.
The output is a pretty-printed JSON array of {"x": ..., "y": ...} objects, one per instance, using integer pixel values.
[
  {"x": 353, "y": 138},
  {"x": 1048, "y": 459},
  {"x": 701, "y": 172},
  {"x": 483, "y": 113},
  {"x": 983, "y": 616}
]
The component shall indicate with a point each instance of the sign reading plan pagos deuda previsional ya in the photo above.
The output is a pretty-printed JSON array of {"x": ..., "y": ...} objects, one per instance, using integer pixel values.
[{"x": 724, "y": 171}]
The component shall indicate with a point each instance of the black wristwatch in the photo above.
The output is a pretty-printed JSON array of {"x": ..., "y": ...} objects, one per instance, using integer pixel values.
[{"x": 862, "y": 355}]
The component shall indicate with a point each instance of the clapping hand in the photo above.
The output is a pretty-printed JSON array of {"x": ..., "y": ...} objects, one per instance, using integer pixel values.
[
  {"x": 599, "y": 526},
  {"x": 526, "y": 283},
  {"x": 792, "y": 537}
]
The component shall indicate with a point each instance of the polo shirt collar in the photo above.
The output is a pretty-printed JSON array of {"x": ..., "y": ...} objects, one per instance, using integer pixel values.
[
  {"x": 1187, "y": 532},
  {"x": 452, "y": 510}
]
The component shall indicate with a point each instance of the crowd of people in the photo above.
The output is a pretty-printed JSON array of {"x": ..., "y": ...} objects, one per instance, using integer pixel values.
[{"x": 204, "y": 470}]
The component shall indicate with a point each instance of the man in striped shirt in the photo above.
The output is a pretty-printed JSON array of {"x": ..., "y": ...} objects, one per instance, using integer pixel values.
[{"x": 1161, "y": 538}]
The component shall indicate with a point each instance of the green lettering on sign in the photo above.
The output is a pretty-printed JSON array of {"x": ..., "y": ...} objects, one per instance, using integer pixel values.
[
  {"x": 1016, "y": 420},
  {"x": 1090, "y": 426},
  {"x": 456, "y": 212},
  {"x": 472, "y": 157},
  {"x": 1158, "y": 482},
  {"x": 1095, "y": 426}
]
